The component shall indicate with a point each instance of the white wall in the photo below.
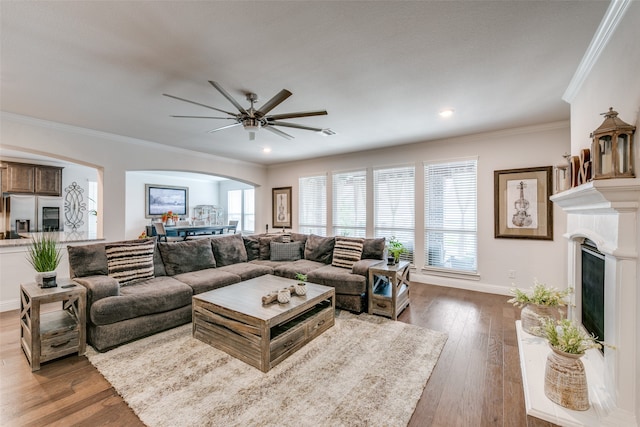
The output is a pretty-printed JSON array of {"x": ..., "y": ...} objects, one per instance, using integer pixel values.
[{"x": 541, "y": 145}]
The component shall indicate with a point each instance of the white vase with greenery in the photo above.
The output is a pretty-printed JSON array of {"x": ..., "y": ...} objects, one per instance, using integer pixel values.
[
  {"x": 44, "y": 255},
  {"x": 543, "y": 302}
]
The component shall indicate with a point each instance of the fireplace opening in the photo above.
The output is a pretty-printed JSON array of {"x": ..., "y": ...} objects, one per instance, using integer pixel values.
[{"x": 593, "y": 289}]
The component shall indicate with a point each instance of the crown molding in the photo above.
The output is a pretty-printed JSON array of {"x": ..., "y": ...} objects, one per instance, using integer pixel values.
[{"x": 609, "y": 23}]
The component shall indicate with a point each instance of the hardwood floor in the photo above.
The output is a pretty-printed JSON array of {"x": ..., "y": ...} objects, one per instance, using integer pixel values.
[{"x": 476, "y": 382}]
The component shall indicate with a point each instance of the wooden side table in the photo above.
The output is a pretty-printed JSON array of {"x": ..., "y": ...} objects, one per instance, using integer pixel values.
[
  {"x": 388, "y": 289},
  {"x": 46, "y": 336}
]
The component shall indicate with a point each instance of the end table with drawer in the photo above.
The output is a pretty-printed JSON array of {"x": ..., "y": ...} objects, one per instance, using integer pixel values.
[
  {"x": 388, "y": 289},
  {"x": 48, "y": 335}
]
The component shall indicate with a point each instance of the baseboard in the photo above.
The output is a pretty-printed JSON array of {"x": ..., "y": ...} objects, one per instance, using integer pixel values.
[
  {"x": 8, "y": 305},
  {"x": 459, "y": 284}
]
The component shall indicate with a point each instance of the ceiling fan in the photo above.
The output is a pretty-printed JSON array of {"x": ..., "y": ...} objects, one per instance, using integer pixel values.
[{"x": 253, "y": 120}]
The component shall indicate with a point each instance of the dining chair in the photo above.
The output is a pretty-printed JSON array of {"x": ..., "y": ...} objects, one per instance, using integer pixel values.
[{"x": 162, "y": 233}]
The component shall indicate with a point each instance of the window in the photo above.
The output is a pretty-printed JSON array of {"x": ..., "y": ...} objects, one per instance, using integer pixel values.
[
  {"x": 312, "y": 205},
  {"x": 241, "y": 208},
  {"x": 394, "y": 205},
  {"x": 350, "y": 204},
  {"x": 450, "y": 215}
]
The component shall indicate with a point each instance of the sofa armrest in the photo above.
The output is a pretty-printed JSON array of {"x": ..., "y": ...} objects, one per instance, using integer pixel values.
[
  {"x": 362, "y": 267},
  {"x": 98, "y": 287}
]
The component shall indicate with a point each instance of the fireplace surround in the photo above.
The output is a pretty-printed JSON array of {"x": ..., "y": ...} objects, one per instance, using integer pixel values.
[{"x": 606, "y": 213}]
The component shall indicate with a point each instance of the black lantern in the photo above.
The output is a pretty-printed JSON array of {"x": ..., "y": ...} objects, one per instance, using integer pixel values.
[{"x": 612, "y": 148}]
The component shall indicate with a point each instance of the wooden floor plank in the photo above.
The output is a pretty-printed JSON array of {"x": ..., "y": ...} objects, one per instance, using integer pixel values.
[{"x": 476, "y": 382}]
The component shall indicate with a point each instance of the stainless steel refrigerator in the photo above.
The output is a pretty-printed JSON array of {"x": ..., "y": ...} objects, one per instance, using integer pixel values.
[{"x": 26, "y": 213}]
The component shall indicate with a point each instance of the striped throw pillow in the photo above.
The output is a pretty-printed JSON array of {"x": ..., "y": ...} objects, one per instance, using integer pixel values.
[
  {"x": 347, "y": 251},
  {"x": 129, "y": 263}
]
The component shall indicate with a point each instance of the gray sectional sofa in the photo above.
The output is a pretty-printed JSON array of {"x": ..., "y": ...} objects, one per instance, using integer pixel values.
[{"x": 139, "y": 287}]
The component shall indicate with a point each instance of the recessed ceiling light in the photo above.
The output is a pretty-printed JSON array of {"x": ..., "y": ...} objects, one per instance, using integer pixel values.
[
  {"x": 266, "y": 150},
  {"x": 446, "y": 113}
]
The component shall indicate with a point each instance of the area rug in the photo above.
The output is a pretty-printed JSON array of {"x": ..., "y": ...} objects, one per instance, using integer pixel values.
[{"x": 364, "y": 371}]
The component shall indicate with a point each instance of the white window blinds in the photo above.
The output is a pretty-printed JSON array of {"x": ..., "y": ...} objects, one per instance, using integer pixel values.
[
  {"x": 451, "y": 238},
  {"x": 394, "y": 205},
  {"x": 350, "y": 203},
  {"x": 312, "y": 205}
]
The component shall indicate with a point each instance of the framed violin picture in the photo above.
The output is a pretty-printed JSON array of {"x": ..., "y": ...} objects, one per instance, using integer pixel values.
[
  {"x": 522, "y": 209},
  {"x": 281, "y": 205}
]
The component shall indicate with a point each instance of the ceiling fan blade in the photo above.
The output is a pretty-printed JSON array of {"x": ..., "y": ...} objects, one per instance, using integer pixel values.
[
  {"x": 294, "y": 125},
  {"x": 197, "y": 103},
  {"x": 224, "y": 127},
  {"x": 295, "y": 115},
  {"x": 273, "y": 102},
  {"x": 278, "y": 132},
  {"x": 204, "y": 117},
  {"x": 229, "y": 97}
]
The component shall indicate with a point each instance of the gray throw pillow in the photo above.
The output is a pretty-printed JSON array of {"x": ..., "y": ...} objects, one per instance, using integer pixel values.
[
  {"x": 319, "y": 249},
  {"x": 252, "y": 247},
  {"x": 229, "y": 249},
  {"x": 265, "y": 244},
  {"x": 187, "y": 256},
  {"x": 286, "y": 251},
  {"x": 373, "y": 248}
]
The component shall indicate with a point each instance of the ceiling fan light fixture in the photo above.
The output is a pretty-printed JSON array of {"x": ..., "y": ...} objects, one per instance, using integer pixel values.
[{"x": 251, "y": 124}]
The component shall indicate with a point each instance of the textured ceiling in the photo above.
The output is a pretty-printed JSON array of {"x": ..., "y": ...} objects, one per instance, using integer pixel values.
[{"x": 381, "y": 69}]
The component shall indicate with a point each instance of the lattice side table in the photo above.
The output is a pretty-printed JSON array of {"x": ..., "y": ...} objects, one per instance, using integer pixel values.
[
  {"x": 388, "y": 289},
  {"x": 49, "y": 335}
]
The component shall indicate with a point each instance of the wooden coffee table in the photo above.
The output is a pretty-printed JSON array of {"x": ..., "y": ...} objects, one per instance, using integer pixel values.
[{"x": 234, "y": 320}]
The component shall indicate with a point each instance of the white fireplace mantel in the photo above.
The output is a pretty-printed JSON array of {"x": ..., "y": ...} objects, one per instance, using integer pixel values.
[
  {"x": 605, "y": 212},
  {"x": 601, "y": 197}
]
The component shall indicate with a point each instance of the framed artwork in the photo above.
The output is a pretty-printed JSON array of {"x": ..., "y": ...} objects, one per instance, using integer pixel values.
[
  {"x": 281, "y": 205},
  {"x": 522, "y": 209},
  {"x": 164, "y": 198}
]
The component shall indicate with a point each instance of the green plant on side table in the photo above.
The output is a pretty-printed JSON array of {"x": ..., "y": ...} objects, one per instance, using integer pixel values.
[
  {"x": 44, "y": 255},
  {"x": 395, "y": 248},
  {"x": 543, "y": 302}
]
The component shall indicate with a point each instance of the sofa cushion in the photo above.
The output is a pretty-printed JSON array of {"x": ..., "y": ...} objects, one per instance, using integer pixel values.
[
  {"x": 347, "y": 251},
  {"x": 130, "y": 262},
  {"x": 91, "y": 260},
  {"x": 340, "y": 278},
  {"x": 269, "y": 263},
  {"x": 252, "y": 247},
  {"x": 228, "y": 250},
  {"x": 156, "y": 295},
  {"x": 207, "y": 279},
  {"x": 319, "y": 248},
  {"x": 373, "y": 248},
  {"x": 285, "y": 251},
  {"x": 87, "y": 260},
  {"x": 290, "y": 269},
  {"x": 299, "y": 237},
  {"x": 190, "y": 255},
  {"x": 247, "y": 270}
]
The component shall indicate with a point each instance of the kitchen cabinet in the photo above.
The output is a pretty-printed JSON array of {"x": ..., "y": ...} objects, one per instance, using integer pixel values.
[
  {"x": 48, "y": 180},
  {"x": 29, "y": 178}
]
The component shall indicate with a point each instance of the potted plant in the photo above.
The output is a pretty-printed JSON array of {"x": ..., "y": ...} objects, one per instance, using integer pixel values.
[
  {"x": 300, "y": 288},
  {"x": 543, "y": 302},
  {"x": 395, "y": 248},
  {"x": 565, "y": 380},
  {"x": 44, "y": 255}
]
